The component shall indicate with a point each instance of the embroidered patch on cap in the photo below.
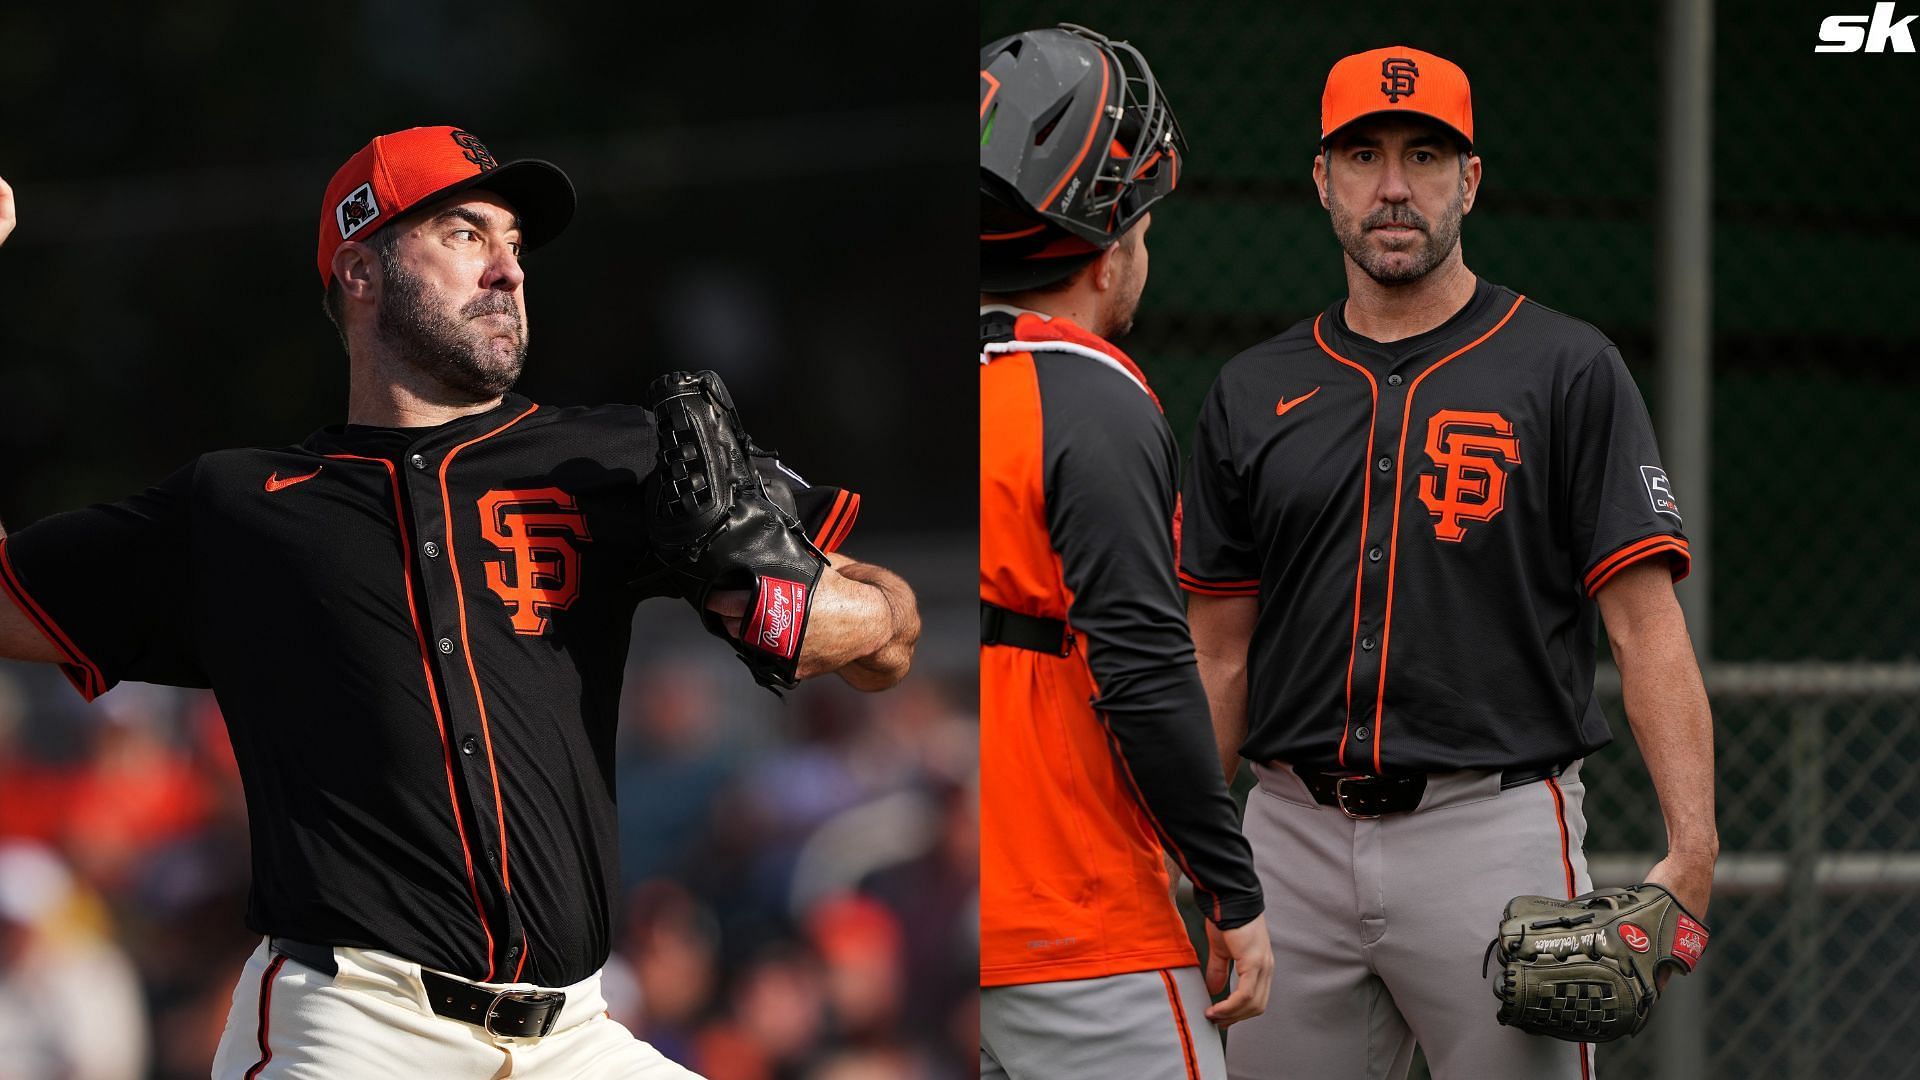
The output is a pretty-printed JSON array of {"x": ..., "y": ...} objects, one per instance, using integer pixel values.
[
  {"x": 356, "y": 210},
  {"x": 1660, "y": 491}
]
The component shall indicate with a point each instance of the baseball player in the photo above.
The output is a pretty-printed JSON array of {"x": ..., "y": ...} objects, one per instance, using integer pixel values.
[
  {"x": 416, "y": 623},
  {"x": 1095, "y": 756},
  {"x": 1403, "y": 516}
]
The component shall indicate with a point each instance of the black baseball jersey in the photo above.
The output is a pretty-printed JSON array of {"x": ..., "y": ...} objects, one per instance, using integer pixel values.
[
  {"x": 417, "y": 637},
  {"x": 1425, "y": 523}
]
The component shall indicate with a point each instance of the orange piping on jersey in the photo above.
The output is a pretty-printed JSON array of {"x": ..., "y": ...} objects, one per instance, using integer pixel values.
[
  {"x": 1180, "y": 1025},
  {"x": 91, "y": 683},
  {"x": 433, "y": 692},
  {"x": 460, "y": 601},
  {"x": 1360, "y": 567},
  {"x": 1099, "y": 117},
  {"x": 1640, "y": 549},
  {"x": 1393, "y": 538},
  {"x": 1212, "y": 900},
  {"x": 1204, "y": 583},
  {"x": 830, "y": 522},
  {"x": 1201, "y": 590}
]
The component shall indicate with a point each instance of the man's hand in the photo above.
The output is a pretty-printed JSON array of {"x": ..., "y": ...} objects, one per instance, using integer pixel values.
[
  {"x": 7, "y": 214},
  {"x": 1689, "y": 877},
  {"x": 1247, "y": 948}
]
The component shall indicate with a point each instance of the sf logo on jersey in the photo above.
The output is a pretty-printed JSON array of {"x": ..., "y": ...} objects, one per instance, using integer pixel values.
[
  {"x": 1471, "y": 449},
  {"x": 537, "y": 528}
]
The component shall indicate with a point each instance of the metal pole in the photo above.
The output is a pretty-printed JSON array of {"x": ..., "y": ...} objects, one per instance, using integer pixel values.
[
  {"x": 1683, "y": 347},
  {"x": 1683, "y": 337}
]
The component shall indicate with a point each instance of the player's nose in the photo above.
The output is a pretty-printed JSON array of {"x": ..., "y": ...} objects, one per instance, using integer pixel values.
[
  {"x": 1393, "y": 183},
  {"x": 504, "y": 271}
]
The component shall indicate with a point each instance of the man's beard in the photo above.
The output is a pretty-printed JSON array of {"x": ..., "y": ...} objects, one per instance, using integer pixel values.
[
  {"x": 1119, "y": 320},
  {"x": 452, "y": 350},
  {"x": 1437, "y": 243}
]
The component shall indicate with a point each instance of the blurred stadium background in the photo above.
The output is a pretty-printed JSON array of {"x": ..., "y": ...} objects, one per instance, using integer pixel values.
[
  {"x": 773, "y": 198},
  {"x": 1731, "y": 209}
]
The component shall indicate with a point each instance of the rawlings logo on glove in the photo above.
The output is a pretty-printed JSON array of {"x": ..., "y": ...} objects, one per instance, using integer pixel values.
[
  {"x": 1587, "y": 969},
  {"x": 718, "y": 524}
]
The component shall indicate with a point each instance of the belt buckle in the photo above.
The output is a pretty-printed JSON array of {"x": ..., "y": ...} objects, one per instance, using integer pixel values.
[
  {"x": 1340, "y": 799},
  {"x": 551, "y": 998}
]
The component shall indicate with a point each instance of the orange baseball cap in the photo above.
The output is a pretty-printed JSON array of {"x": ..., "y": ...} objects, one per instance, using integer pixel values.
[
  {"x": 395, "y": 173},
  {"x": 1396, "y": 79}
]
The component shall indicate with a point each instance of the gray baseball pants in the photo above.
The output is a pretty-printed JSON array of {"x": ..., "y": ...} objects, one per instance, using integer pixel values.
[
  {"x": 1146, "y": 1025},
  {"x": 1379, "y": 927}
]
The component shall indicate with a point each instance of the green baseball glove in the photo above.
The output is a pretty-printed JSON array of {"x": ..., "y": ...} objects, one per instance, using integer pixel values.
[{"x": 1586, "y": 969}]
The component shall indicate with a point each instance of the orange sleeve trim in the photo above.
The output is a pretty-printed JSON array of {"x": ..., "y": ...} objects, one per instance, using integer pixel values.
[
  {"x": 839, "y": 522},
  {"x": 80, "y": 670},
  {"x": 1220, "y": 583},
  {"x": 1604, "y": 571},
  {"x": 1214, "y": 590}
]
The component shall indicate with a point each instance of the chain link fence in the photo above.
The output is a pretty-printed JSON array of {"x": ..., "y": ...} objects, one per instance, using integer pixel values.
[{"x": 1814, "y": 633}]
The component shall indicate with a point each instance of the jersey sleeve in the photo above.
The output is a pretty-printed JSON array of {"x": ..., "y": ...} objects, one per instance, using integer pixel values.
[
  {"x": 111, "y": 586},
  {"x": 827, "y": 513},
  {"x": 1621, "y": 505},
  {"x": 1217, "y": 554},
  {"x": 1109, "y": 480}
]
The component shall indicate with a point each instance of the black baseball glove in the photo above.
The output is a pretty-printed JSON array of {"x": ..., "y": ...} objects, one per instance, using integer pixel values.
[
  {"x": 1587, "y": 969},
  {"x": 723, "y": 516}
]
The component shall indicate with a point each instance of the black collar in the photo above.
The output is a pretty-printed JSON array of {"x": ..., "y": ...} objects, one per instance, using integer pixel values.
[
  {"x": 1479, "y": 313},
  {"x": 389, "y": 441}
]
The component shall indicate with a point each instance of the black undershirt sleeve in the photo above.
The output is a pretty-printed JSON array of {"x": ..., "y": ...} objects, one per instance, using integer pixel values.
[{"x": 1110, "y": 465}]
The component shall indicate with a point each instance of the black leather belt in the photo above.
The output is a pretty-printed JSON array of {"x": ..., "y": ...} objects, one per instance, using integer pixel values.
[
  {"x": 1364, "y": 797},
  {"x": 513, "y": 1014},
  {"x": 998, "y": 626}
]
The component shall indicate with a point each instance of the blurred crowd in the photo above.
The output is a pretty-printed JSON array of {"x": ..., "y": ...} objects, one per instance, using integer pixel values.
[{"x": 800, "y": 875}]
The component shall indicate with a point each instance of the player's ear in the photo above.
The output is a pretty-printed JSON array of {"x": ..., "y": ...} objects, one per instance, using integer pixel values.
[
  {"x": 1320, "y": 180},
  {"x": 1105, "y": 268},
  {"x": 1470, "y": 182},
  {"x": 354, "y": 268}
]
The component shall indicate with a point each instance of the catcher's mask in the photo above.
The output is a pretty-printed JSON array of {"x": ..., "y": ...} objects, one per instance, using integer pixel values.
[{"x": 1077, "y": 143}]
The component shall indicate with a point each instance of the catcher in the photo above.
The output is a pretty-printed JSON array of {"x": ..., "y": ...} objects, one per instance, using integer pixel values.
[{"x": 417, "y": 625}]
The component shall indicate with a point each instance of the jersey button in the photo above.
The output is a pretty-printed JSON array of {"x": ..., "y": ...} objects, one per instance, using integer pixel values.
[
  {"x": 1366, "y": 644},
  {"x": 432, "y": 549},
  {"x": 513, "y": 951},
  {"x": 1361, "y": 734},
  {"x": 446, "y": 646},
  {"x": 1394, "y": 380},
  {"x": 470, "y": 745},
  {"x": 418, "y": 461},
  {"x": 1373, "y": 555},
  {"x": 1384, "y": 464}
]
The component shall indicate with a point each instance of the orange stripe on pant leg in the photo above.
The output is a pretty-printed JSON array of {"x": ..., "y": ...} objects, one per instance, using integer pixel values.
[
  {"x": 1566, "y": 861},
  {"x": 266, "y": 1005},
  {"x": 1180, "y": 1024}
]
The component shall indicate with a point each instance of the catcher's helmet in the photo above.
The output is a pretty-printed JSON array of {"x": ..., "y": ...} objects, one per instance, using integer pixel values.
[{"x": 1077, "y": 142}]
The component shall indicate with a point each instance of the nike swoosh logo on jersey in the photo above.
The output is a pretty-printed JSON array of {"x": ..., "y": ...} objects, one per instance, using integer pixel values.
[
  {"x": 274, "y": 483},
  {"x": 1284, "y": 405}
]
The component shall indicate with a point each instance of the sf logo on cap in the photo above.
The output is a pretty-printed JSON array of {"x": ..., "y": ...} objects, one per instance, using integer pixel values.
[
  {"x": 475, "y": 151},
  {"x": 1399, "y": 73}
]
